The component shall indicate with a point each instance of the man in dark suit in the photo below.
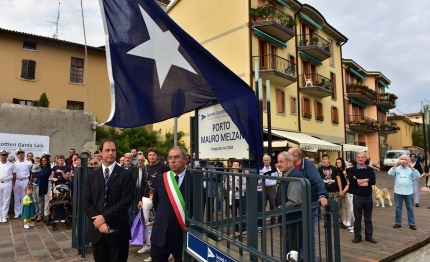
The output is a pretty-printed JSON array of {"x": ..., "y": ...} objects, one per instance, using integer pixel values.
[
  {"x": 167, "y": 231},
  {"x": 107, "y": 195}
]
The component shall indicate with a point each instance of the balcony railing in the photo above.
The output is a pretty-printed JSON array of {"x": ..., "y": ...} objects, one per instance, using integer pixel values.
[
  {"x": 363, "y": 124},
  {"x": 315, "y": 85},
  {"x": 273, "y": 21},
  {"x": 362, "y": 93},
  {"x": 314, "y": 45},
  {"x": 387, "y": 100},
  {"x": 385, "y": 127},
  {"x": 276, "y": 69}
]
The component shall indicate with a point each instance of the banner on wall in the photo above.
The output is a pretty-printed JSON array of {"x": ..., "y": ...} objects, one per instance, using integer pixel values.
[{"x": 29, "y": 143}]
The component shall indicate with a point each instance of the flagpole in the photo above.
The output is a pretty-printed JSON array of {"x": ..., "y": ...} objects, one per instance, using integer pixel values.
[
  {"x": 175, "y": 131},
  {"x": 86, "y": 59}
]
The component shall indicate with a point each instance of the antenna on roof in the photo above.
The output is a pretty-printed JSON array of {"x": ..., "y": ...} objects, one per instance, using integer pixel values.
[{"x": 55, "y": 35}]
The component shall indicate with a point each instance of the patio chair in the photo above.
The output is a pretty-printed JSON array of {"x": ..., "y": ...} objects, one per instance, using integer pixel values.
[{"x": 308, "y": 81}]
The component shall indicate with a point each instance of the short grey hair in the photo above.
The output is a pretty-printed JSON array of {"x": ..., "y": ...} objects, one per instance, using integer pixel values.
[
  {"x": 128, "y": 154},
  {"x": 407, "y": 157},
  {"x": 183, "y": 152},
  {"x": 362, "y": 153},
  {"x": 288, "y": 156},
  {"x": 267, "y": 156}
]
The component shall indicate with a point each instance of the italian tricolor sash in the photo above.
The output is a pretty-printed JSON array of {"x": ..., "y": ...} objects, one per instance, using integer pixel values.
[{"x": 175, "y": 196}]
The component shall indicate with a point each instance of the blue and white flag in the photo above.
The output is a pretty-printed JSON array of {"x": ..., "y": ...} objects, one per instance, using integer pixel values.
[{"x": 157, "y": 71}]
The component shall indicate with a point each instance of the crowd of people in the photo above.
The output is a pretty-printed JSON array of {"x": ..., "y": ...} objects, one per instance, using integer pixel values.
[{"x": 115, "y": 192}]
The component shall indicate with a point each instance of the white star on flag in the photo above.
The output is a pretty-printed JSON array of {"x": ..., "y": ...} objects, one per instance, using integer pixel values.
[{"x": 162, "y": 47}]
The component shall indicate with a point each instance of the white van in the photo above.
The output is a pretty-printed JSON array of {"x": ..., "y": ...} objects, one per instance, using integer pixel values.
[{"x": 392, "y": 156}]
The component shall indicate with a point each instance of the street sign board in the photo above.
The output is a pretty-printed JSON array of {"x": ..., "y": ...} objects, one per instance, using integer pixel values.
[
  {"x": 218, "y": 136},
  {"x": 204, "y": 251}
]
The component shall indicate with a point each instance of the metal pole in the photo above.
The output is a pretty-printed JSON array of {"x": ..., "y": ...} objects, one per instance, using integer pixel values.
[
  {"x": 423, "y": 115},
  {"x": 260, "y": 101},
  {"x": 269, "y": 120},
  {"x": 175, "y": 132}
]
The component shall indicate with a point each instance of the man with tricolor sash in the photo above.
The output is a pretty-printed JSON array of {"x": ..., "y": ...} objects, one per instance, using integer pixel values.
[{"x": 170, "y": 209}]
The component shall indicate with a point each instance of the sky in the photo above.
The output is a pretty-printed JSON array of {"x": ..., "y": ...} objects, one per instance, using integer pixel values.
[{"x": 383, "y": 35}]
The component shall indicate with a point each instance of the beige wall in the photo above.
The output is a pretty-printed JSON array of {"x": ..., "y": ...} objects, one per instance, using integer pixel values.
[
  {"x": 53, "y": 59},
  {"x": 403, "y": 137}
]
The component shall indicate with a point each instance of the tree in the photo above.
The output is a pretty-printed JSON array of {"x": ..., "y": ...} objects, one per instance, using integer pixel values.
[
  {"x": 138, "y": 137},
  {"x": 418, "y": 137},
  {"x": 43, "y": 100}
]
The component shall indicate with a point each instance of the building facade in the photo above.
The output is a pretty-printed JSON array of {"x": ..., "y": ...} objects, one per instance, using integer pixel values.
[
  {"x": 366, "y": 106},
  {"x": 291, "y": 45}
]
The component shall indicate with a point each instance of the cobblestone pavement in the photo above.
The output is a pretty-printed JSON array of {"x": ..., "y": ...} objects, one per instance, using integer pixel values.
[{"x": 41, "y": 243}]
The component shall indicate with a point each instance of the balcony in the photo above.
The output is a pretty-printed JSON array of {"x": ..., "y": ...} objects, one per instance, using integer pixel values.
[
  {"x": 361, "y": 93},
  {"x": 315, "y": 85},
  {"x": 387, "y": 128},
  {"x": 315, "y": 46},
  {"x": 363, "y": 124},
  {"x": 276, "y": 69},
  {"x": 387, "y": 100},
  {"x": 273, "y": 22}
]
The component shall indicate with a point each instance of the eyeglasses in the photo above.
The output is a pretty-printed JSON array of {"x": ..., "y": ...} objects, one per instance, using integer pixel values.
[{"x": 176, "y": 158}]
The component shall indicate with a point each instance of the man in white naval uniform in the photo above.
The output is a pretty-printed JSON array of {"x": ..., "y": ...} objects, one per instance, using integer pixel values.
[
  {"x": 7, "y": 175},
  {"x": 23, "y": 168}
]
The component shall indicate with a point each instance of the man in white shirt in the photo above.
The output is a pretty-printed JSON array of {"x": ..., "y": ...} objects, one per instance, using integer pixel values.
[
  {"x": 23, "y": 168},
  {"x": 270, "y": 184},
  {"x": 7, "y": 176}
]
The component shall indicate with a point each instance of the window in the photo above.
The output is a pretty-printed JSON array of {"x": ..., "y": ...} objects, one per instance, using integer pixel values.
[
  {"x": 264, "y": 99},
  {"x": 357, "y": 111},
  {"x": 77, "y": 70},
  {"x": 333, "y": 84},
  {"x": 306, "y": 108},
  {"x": 331, "y": 59},
  {"x": 293, "y": 105},
  {"x": 280, "y": 102},
  {"x": 263, "y": 54},
  {"x": 28, "y": 69},
  {"x": 334, "y": 115},
  {"x": 75, "y": 105},
  {"x": 319, "y": 114},
  {"x": 24, "y": 102},
  {"x": 292, "y": 65},
  {"x": 29, "y": 45}
]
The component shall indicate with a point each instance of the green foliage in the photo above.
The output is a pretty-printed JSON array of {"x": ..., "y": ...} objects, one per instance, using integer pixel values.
[
  {"x": 418, "y": 137},
  {"x": 138, "y": 137},
  {"x": 43, "y": 100}
]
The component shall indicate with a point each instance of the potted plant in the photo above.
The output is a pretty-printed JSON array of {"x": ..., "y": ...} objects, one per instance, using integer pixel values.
[
  {"x": 292, "y": 22},
  {"x": 314, "y": 40},
  {"x": 307, "y": 115},
  {"x": 259, "y": 12},
  {"x": 337, "y": 122},
  {"x": 320, "y": 118},
  {"x": 303, "y": 42}
]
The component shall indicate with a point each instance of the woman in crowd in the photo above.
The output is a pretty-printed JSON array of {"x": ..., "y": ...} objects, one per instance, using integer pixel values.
[
  {"x": 42, "y": 186},
  {"x": 346, "y": 210}
]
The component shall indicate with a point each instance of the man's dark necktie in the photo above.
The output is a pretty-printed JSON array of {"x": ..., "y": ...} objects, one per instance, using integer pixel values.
[
  {"x": 106, "y": 186},
  {"x": 177, "y": 179}
]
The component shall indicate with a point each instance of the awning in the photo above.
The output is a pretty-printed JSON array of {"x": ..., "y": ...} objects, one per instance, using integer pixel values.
[
  {"x": 384, "y": 109},
  {"x": 310, "y": 58},
  {"x": 354, "y": 101},
  {"x": 354, "y": 148},
  {"x": 357, "y": 74},
  {"x": 281, "y": 143},
  {"x": 385, "y": 85},
  {"x": 283, "y": 3},
  {"x": 306, "y": 142},
  {"x": 310, "y": 21},
  {"x": 270, "y": 38}
]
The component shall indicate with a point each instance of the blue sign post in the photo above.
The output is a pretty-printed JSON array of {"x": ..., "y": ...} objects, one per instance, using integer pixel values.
[{"x": 204, "y": 251}]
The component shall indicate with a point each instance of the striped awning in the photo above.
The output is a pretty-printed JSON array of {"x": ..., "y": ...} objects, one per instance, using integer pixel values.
[
  {"x": 310, "y": 21},
  {"x": 269, "y": 38},
  {"x": 385, "y": 85},
  {"x": 354, "y": 101},
  {"x": 282, "y": 2},
  {"x": 357, "y": 74},
  {"x": 310, "y": 58}
]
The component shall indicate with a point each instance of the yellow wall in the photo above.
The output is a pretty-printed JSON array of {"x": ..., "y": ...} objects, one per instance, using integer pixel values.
[
  {"x": 403, "y": 137},
  {"x": 53, "y": 59}
]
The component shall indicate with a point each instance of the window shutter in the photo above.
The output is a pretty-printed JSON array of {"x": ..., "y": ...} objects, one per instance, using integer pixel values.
[
  {"x": 316, "y": 109},
  {"x": 24, "y": 69},
  {"x": 31, "y": 69},
  {"x": 15, "y": 101},
  {"x": 35, "y": 103},
  {"x": 303, "y": 106}
]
